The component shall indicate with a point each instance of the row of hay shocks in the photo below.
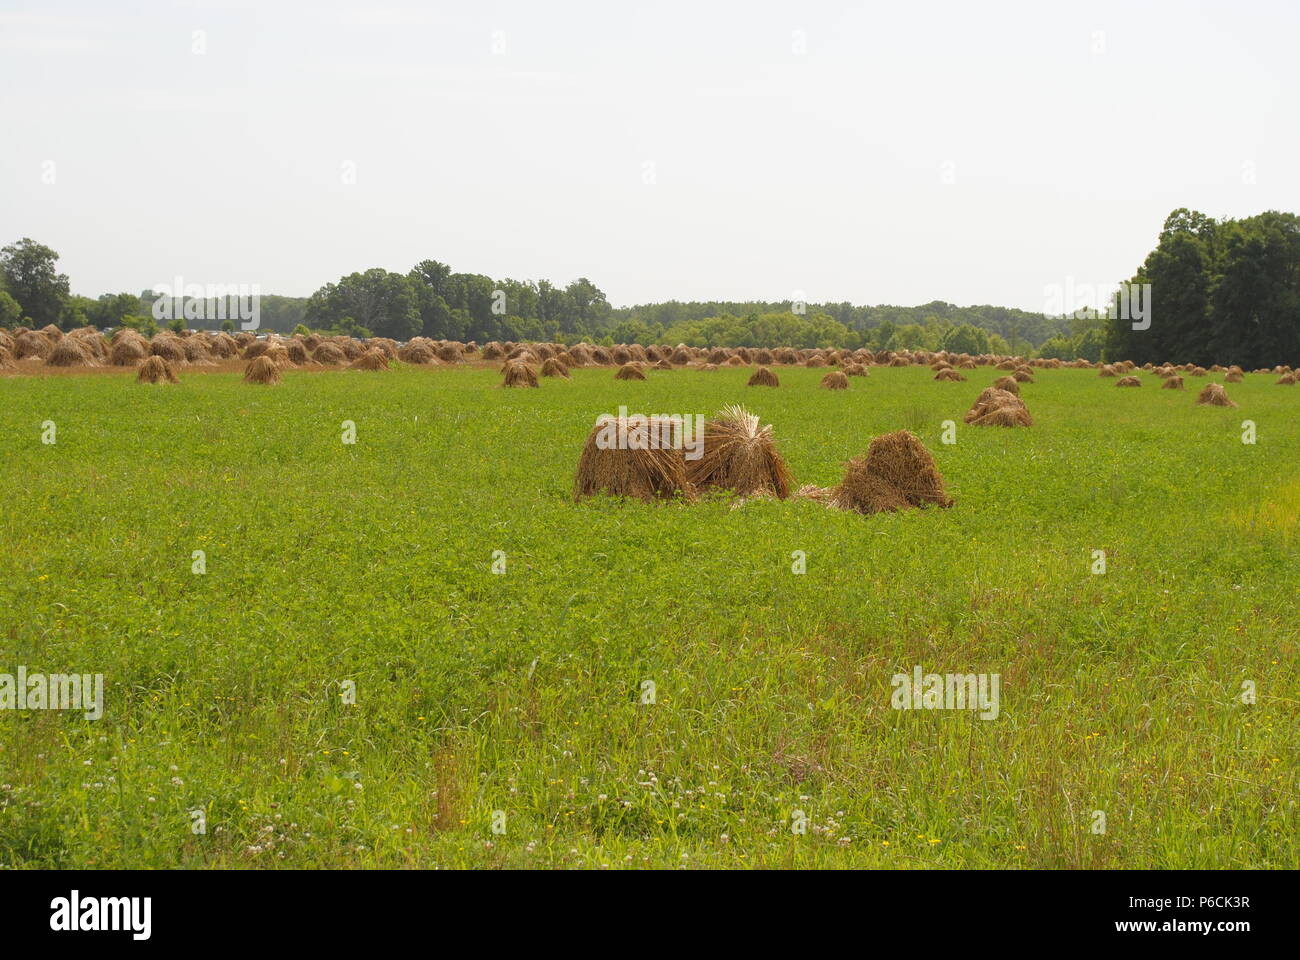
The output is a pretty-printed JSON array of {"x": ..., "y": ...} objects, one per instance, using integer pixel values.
[
  {"x": 127, "y": 347},
  {"x": 1211, "y": 395},
  {"x": 993, "y": 408},
  {"x": 740, "y": 456}
]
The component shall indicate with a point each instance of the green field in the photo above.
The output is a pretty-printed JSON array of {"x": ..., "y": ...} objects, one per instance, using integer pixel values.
[{"x": 521, "y": 692}]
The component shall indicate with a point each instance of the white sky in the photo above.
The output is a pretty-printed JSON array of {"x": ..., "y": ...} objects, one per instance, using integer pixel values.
[{"x": 1068, "y": 130}]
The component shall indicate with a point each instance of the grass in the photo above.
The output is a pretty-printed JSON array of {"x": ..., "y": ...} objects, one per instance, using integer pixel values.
[{"x": 330, "y": 565}]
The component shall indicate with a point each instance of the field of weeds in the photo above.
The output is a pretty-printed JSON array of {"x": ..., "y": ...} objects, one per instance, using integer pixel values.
[{"x": 417, "y": 650}]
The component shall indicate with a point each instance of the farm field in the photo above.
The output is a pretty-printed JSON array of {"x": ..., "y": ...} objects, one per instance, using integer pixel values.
[{"x": 515, "y": 698}]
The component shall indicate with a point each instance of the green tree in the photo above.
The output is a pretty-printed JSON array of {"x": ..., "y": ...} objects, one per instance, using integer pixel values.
[
  {"x": 110, "y": 308},
  {"x": 966, "y": 339},
  {"x": 9, "y": 310},
  {"x": 30, "y": 275},
  {"x": 378, "y": 300}
]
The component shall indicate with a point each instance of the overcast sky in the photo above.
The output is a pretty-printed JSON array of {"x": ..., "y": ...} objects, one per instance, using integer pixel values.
[{"x": 871, "y": 152}]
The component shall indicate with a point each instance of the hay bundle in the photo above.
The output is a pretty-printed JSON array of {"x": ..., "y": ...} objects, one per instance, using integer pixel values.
[
  {"x": 1213, "y": 395},
  {"x": 708, "y": 367},
  {"x": 735, "y": 361},
  {"x": 600, "y": 357},
  {"x": 373, "y": 359},
  {"x": 297, "y": 351},
  {"x": 516, "y": 373},
  {"x": 492, "y": 350},
  {"x": 638, "y": 464},
  {"x": 256, "y": 349},
  {"x": 128, "y": 351},
  {"x": 351, "y": 348},
  {"x": 814, "y": 362},
  {"x": 262, "y": 370},
  {"x": 855, "y": 370},
  {"x": 196, "y": 350},
  {"x": 897, "y": 472},
  {"x": 1172, "y": 383},
  {"x": 949, "y": 375},
  {"x": 221, "y": 345},
  {"x": 1197, "y": 371},
  {"x": 7, "y": 359},
  {"x": 1232, "y": 376},
  {"x": 835, "y": 380},
  {"x": 329, "y": 353},
  {"x": 681, "y": 355},
  {"x": 629, "y": 372},
  {"x": 451, "y": 352},
  {"x": 785, "y": 355},
  {"x": 156, "y": 370},
  {"x": 278, "y": 354},
  {"x": 1286, "y": 380},
  {"x": 999, "y": 408},
  {"x": 1009, "y": 384},
  {"x": 95, "y": 346},
  {"x": 621, "y": 355},
  {"x": 551, "y": 367},
  {"x": 1023, "y": 375},
  {"x": 169, "y": 348},
  {"x": 740, "y": 455},
  {"x": 1128, "y": 382},
  {"x": 763, "y": 357},
  {"x": 763, "y": 377},
  {"x": 29, "y": 343},
  {"x": 418, "y": 351},
  {"x": 51, "y": 333},
  {"x": 718, "y": 356},
  {"x": 68, "y": 352},
  {"x": 662, "y": 365},
  {"x": 1107, "y": 370}
]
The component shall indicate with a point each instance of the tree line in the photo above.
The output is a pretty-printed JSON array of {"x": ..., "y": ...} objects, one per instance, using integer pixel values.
[{"x": 1222, "y": 291}]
